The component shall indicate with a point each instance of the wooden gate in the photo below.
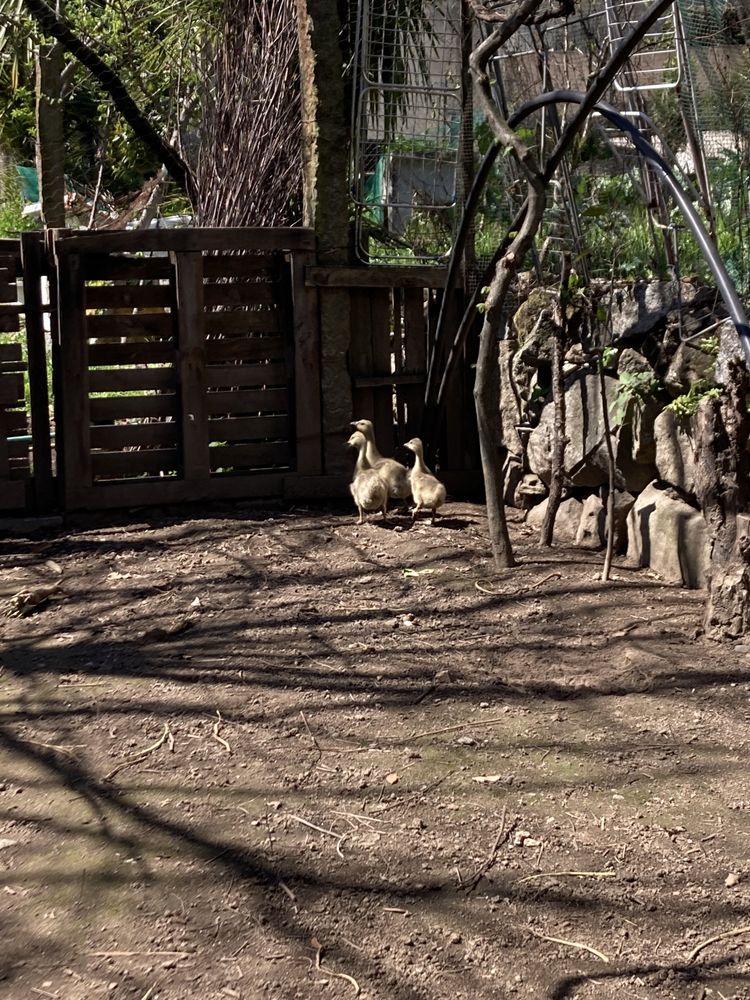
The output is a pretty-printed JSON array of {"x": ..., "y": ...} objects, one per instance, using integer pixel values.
[{"x": 178, "y": 365}]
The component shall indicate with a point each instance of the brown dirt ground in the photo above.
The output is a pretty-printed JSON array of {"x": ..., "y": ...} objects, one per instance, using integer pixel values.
[{"x": 335, "y": 694}]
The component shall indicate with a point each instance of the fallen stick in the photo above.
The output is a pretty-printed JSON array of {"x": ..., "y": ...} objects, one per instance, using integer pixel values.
[
  {"x": 451, "y": 729},
  {"x": 133, "y": 954},
  {"x": 140, "y": 754},
  {"x": 215, "y": 733},
  {"x": 605, "y": 874},
  {"x": 331, "y": 833},
  {"x": 517, "y": 593},
  {"x": 717, "y": 937},
  {"x": 572, "y": 944},
  {"x": 329, "y": 972}
]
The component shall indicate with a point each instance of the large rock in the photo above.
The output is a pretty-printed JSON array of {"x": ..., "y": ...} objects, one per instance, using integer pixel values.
[
  {"x": 533, "y": 331},
  {"x": 639, "y": 307},
  {"x": 566, "y": 522},
  {"x": 585, "y": 452},
  {"x": 675, "y": 451},
  {"x": 668, "y": 535},
  {"x": 730, "y": 351},
  {"x": 633, "y": 362},
  {"x": 688, "y": 366},
  {"x": 592, "y": 528},
  {"x": 529, "y": 492}
]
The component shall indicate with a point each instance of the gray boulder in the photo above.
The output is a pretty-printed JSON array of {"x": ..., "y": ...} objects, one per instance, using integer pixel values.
[
  {"x": 631, "y": 361},
  {"x": 729, "y": 351},
  {"x": 566, "y": 522},
  {"x": 585, "y": 452},
  {"x": 590, "y": 534},
  {"x": 529, "y": 492},
  {"x": 688, "y": 366},
  {"x": 640, "y": 307},
  {"x": 668, "y": 535},
  {"x": 510, "y": 410},
  {"x": 675, "y": 452}
]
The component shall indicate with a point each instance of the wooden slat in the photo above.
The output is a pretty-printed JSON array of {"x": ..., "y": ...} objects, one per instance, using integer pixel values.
[
  {"x": 8, "y": 292},
  {"x": 140, "y": 492},
  {"x": 129, "y": 435},
  {"x": 123, "y": 407},
  {"x": 19, "y": 449},
  {"x": 34, "y": 265},
  {"x": 19, "y": 469},
  {"x": 360, "y": 352},
  {"x": 240, "y": 266},
  {"x": 241, "y": 321},
  {"x": 245, "y": 349},
  {"x": 372, "y": 276},
  {"x": 133, "y": 379},
  {"x": 9, "y": 321},
  {"x": 11, "y": 352},
  {"x": 103, "y": 267},
  {"x": 248, "y": 401},
  {"x": 131, "y": 354},
  {"x": 186, "y": 240},
  {"x": 11, "y": 388},
  {"x": 380, "y": 310},
  {"x": 160, "y": 325},
  {"x": 251, "y": 456},
  {"x": 193, "y": 352},
  {"x": 135, "y": 463},
  {"x": 129, "y": 296},
  {"x": 376, "y": 381},
  {"x": 248, "y": 428},
  {"x": 415, "y": 353},
  {"x": 245, "y": 293},
  {"x": 13, "y": 496},
  {"x": 238, "y": 376},
  {"x": 307, "y": 370},
  {"x": 73, "y": 378},
  {"x": 16, "y": 422}
]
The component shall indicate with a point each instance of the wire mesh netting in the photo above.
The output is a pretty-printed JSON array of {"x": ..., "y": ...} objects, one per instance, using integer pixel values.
[
  {"x": 686, "y": 89},
  {"x": 406, "y": 128}
]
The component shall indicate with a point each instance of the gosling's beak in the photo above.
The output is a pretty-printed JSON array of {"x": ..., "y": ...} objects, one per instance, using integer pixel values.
[{"x": 353, "y": 423}]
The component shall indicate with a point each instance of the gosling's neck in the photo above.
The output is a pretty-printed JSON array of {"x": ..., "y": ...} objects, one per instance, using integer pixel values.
[
  {"x": 373, "y": 456},
  {"x": 419, "y": 461},
  {"x": 363, "y": 463}
]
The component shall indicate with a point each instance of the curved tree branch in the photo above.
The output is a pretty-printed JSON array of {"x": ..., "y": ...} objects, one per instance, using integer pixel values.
[{"x": 56, "y": 28}]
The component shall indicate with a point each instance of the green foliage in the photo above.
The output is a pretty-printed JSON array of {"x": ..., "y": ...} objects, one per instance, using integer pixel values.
[
  {"x": 633, "y": 389},
  {"x": 710, "y": 346},
  {"x": 609, "y": 355},
  {"x": 686, "y": 405},
  {"x": 12, "y": 219}
]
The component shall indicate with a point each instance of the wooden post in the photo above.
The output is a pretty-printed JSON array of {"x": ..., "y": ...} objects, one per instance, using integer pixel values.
[
  {"x": 191, "y": 353},
  {"x": 74, "y": 381},
  {"x": 325, "y": 170},
  {"x": 307, "y": 385},
  {"x": 32, "y": 257}
]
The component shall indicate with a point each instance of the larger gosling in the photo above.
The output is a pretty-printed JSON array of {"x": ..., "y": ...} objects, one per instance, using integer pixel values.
[
  {"x": 394, "y": 473},
  {"x": 426, "y": 489},
  {"x": 369, "y": 490}
]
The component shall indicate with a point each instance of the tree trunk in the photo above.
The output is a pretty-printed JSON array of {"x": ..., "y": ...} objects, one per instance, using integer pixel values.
[
  {"x": 57, "y": 28},
  {"x": 721, "y": 484},
  {"x": 611, "y": 469},
  {"x": 557, "y": 475},
  {"x": 50, "y": 137},
  {"x": 487, "y": 403}
]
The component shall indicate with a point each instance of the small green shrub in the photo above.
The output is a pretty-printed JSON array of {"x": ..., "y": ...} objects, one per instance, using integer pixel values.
[{"x": 686, "y": 405}]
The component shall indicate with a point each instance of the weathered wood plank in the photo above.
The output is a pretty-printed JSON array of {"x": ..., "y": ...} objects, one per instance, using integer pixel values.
[
  {"x": 247, "y": 401},
  {"x": 131, "y": 435},
  {"x": 13, "y": 495},
  {"x": 415, "y": 359},
  {"x": 241, "y": 322},
  {"x": 74, "y": 376},
  {"x": 34, "y": 265},
  {"x": 360, "y": 353},
  {"x": 9, "y": 321},
  {"x": 103, "y": 267},
  {"x": 133, "y": 379},
  {"x": 187, "y": 240},
  {"x": 193, "y": 352},
  {"x": 141, "y": 492},
  {"x": 135, "y": 463},
  {"x": 142, "y": 352},
  {"x": 307, "y": 370},
  {"x": 239, "y": 376},
  {"x": 373, "y": 276},
  {"x": 376, "y": 381},
  {"x": 129, "y": 296},
  {"x": 248, "y": 428},
  {"x": 11, "y": 388},
  {"x": 161, "y": 325},
  {"x": 245, "y": 349},
  {"x": 11, "y": 352},
  {"x": 244, "y": 293},
  {"x": 251, "y": 456},
  {"x": 124, "y": 407},
  {"x": 380, "y": 310}
]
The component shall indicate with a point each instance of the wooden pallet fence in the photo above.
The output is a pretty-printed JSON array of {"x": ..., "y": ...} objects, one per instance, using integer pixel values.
[{"x": 178, "y": 369}]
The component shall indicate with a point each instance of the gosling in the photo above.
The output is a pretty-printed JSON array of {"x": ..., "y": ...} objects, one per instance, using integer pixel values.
[
  {"x": 369, "y": 490},
  {"x": 395, "y": 475},
  {"x": 427, "y": 491}
]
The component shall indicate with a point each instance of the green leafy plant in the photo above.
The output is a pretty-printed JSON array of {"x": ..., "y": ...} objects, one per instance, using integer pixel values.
[
  {"x": 633, "y": 389},
  {"x": 686, "y": 406},
  {"x": 710, "y": 346}
]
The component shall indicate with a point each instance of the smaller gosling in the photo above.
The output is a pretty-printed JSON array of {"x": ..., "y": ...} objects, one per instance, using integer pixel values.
[
  {"x": 428, "y": 492},
  {"x": 394, "y": 473},
  {"x": 369, "y": 491}
]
